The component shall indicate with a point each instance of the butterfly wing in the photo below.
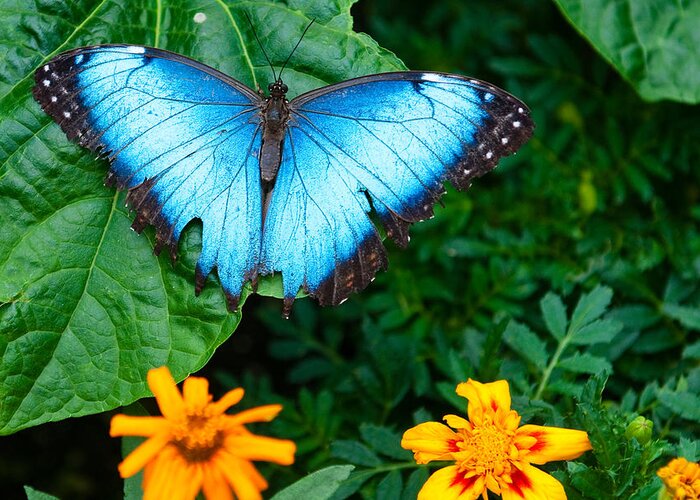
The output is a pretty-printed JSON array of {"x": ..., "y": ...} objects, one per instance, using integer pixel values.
[
  {"x": 381, "y": 144},
  {"x": 180, "y": 136}
]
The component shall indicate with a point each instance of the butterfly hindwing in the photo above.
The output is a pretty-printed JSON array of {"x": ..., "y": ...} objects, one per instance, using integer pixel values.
[
  {"x": 385, "y": 144},
  {"x": 180, "y": 136},
  {"x": 316, "y": 231}
]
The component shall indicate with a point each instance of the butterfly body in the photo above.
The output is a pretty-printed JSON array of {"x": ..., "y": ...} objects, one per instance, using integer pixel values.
[
  {"x": 275, "y": 117},
  {"x": 280, "y": 187}
]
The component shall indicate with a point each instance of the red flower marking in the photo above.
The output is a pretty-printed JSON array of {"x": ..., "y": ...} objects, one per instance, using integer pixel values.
[
  {"x": 452, "y": 445},
  {"x": 520, "y": 482},
  {"x": 540, "y": 443},
  {"x": 464, "y": 482}
]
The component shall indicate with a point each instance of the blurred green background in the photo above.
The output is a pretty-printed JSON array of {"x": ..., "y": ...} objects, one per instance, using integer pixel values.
[{"x": 606, "y": 193}]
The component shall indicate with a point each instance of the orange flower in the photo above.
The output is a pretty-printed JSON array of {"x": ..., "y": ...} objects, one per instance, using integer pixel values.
[
  {"x": 681, "y": 479},
  {"x": 491, "y": 451},
  {"x": 196, "y": 446}
]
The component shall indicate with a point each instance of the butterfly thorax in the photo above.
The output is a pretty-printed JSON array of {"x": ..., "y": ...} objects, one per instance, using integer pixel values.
[{"x": 275, "y": 113}]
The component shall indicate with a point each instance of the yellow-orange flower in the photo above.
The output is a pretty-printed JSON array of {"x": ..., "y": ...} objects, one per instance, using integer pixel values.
[
  {"x": 681, "y": 480},
  {"x": 196, "y": 446},
  {"x": 491, "y": 451}
]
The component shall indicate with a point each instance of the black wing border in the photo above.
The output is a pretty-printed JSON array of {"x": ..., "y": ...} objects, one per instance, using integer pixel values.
[{"x": 416, "y": 76}]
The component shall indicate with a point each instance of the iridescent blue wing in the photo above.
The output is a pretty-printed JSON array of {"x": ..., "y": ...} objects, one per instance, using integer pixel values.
[
  {"x": 381, "y": 144},
  {"x": 180, "y": 136}
]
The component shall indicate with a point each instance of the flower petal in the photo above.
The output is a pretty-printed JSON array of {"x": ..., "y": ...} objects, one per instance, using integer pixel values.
[
  {"x": 183, "y": 482},
  {"x": 163, "y": 386},
  {"x": 214, "y": 485},
  {"x": 485, "y": 397},
  {"x": 254, "y": 475},
  {"x": 252, "y": 447},
  {"x": 229, "y": 399},
  {"x": 191, "y": 482},
  {"x": 157, "y": 474},
  {"x": 449, "y": 483},
  {"x": 457, "y": 422},
  {"x": 532, "y": 484},
  {"x": 195, "y": 392},
  {"x": 163, "y": 475},
  {"x": 243, "y": 486},
  {"x": 144, "y": 453},
  {"x": 126, "y": 425},
  {"x": 681, "y": 479},
  {"x": 430, "y": 441},
  {"x": 551, "y": 443},
  {"x": 257, "y": 414}
]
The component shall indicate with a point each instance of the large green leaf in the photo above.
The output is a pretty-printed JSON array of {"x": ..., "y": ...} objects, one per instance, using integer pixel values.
[
  {"x": 654, "y": 44},
  {"x": 318, "y": 485},
  {"x": 85, "y": 307}
]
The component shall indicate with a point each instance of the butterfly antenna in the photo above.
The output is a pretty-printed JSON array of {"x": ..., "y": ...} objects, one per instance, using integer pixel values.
[
  {"x": 252, "y": 27},
  {"x": 295, "y": 47}
]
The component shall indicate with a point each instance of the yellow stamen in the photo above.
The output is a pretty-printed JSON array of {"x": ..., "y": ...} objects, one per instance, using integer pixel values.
[{"x": 488, "y": 449}]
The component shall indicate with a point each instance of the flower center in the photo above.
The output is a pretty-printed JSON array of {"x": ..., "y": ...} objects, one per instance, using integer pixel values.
[
  {"x": 199, "y": 436},
  {"x": 488, "y": 448}
]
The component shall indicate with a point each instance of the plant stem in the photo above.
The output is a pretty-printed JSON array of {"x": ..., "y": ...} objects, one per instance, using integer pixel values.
[{"x": 563, "y": 344}]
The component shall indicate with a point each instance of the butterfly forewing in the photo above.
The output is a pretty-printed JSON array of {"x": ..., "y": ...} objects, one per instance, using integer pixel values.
[{"x": 181, "y": 137}]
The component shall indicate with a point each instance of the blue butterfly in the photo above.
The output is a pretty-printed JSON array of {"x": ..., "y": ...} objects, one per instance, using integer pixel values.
[{"x": 280, "y": 187}]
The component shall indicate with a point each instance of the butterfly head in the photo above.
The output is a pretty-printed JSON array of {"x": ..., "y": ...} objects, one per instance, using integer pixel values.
[{"x": 277, "y": 89}]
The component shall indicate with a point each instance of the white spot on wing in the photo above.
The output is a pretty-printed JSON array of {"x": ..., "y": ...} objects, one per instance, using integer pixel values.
[
  {"x": 200, "y": 17},
  {"x": 516, "y": 124},
  {"x": 504, "y": 140},
  {"x": 54, "y": 98},
  {"x": 66, "y": 114},
  {"x": 46, "y": 83},
  {"x": 432, "y": 77},
  {"x": 489, "y": 155},
  {"x": 46, "y": 67},
  {"x": 135, "y": 50}
]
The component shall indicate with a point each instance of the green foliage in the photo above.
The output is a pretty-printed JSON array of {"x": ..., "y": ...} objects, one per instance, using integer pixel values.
[
  {"x": 377, "y": 454},
  {"x": 318, "y": 485},
  {"x": 87, "y": 307},
  {"x": 33, "y": 494},
  {"x": 623, "y": 468},
  {"x": 653, "y": 44},
  {"x": 557, "y": 371},
  {"x": 572, "y": 271}
]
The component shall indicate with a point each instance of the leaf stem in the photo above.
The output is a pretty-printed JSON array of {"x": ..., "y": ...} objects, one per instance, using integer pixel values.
[{"x": 563, "y": 344}]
